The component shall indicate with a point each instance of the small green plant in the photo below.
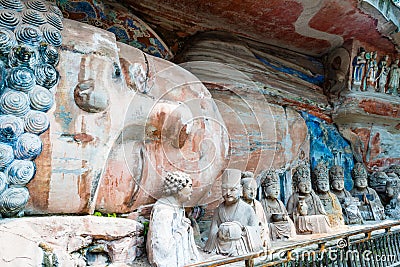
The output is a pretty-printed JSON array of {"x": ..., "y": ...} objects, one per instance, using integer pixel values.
[
  {"x": 99, "y": 214},
  {"x": 146, "y": 228}
]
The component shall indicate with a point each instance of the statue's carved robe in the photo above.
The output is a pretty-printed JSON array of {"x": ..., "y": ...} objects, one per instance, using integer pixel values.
[
  {"x": 393, "y": 208},
  {"x": 371, "y": 207},
  {"x": 314, "y": 204},
  {"x": 282, "y": 229},
  {"x": 316, "y": 220},
  {"x": 262, "y": 219},
  {"x": 350, "y": 209},
  {"x": 169, "y": 243},
  {"x": 343, "y": 195},
  {"x": 333, "y": 208},
  {"x": 247, "y": 241}
]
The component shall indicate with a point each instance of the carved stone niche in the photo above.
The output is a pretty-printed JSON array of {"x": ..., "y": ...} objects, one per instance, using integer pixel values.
[
  {"x": 367, "y": 111},
  {"x": 337, "y": 68}
]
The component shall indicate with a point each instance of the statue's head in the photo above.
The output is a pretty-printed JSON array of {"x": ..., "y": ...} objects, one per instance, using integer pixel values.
[
  {"x": 386, "y": 57},
  {"x": 392, "y": 188},
  {"x": 179, "y": 185},
  {"x": 249, "y": 186},
  {"x": 394, "y": 169},
  {"x": 360, "y": 176},
  {"x": 231, "y": 187},
  {"x": 321, "y": 177},
  {"x": 336, "y": 177},
  {"x": 361, "y": 51},
  {"x": 270, "y": 184},
  {"x": 302, "y": 179}
]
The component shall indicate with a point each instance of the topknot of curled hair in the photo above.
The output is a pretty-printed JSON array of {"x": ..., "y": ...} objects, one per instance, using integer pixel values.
[{"x": 174, "y": 182}]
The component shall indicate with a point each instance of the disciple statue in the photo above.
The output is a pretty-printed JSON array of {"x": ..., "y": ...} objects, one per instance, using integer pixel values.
[
  {"x": 359, "y": 68},
  {"x": 336, "y": 177},
  {"x": 170, "y": 240},
  {"x": 384, "y": 69},
  {"x": 393, "y": 169},
  {"x": 280, "y": 225},
  {"x": 329, "y": 200},
  {"x": 377, "y": 181},
  {"x": 249, "y": 186},
  {"x": 234, "y": 228},
  {"x": 372, "y": 71},
  {"x": 394, "y": 77},
  {"x": 392, "y": 210},
  {"x": 304, "y": 206},
  {"x": 349, "y": 204},
  {"x": 371, "y": 207}
]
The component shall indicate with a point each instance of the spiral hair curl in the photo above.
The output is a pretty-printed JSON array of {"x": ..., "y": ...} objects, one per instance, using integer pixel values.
[{"x": 174, "y": 182}]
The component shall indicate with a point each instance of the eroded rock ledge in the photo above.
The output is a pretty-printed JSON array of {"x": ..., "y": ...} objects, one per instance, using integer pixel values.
[{"x": 69, "y": 240}]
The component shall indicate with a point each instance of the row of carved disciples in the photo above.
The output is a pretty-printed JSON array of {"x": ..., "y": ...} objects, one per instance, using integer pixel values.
[
  {"x": 241, "y": 224},
  {"x": 369, "y": 75}
]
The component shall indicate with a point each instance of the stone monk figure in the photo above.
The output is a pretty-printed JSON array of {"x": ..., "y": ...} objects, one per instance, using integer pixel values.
[
  {"x": 304, "y": 191},
  {"x": 170, "y": 241},
  {"x": 234, "y": 228},
  {"x": 328, "y": 199},
  {"x": 349, "y": 204},
  {"x": 249, "y": 186},
  {"x": 281, "y": 227},
  {"x": 305, "y": 207},
  {"x": 392, "y": 189},
  {"x": 371, "y": 207},
  {"x": 336, "y": 178}
]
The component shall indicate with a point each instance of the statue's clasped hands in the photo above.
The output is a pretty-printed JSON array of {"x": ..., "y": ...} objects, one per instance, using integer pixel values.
[{"x": 230, "y": 231}]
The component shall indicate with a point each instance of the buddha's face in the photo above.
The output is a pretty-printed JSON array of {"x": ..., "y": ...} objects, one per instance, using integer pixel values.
[
  {"x": 337, "y": 185},
  {"x": 361, "y": 182},
  {"x": 304, "y": 187},
  {"x": 322, "y": 185},
  {"x": 250, "y": 191},
  {"x": 231, "y": 193},
  {"x": 185, "y": 193},
  {"x": 272, "y": 191}
]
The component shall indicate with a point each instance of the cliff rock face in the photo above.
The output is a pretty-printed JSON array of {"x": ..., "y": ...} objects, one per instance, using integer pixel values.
[
  {"x": 121, "y": 118},
  {"x": 69, "y": 241},
  {"x": 283, "y": 77},
  {"x": 328, "y": 145},
  {"x": 258, "y": 93},
  {"x": 263, "y": 135},
  {"x": 370, "y": 121}
]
